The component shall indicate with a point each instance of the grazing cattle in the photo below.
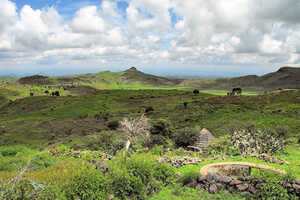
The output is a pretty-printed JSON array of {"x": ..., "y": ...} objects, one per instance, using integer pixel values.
[
  {"x": 31, "y": 94},
  {"x": 235, "y": 91},
  {"x": 56, "y": 93},
  {"x": 149, "y": 109},
  {"x": 196, "y": 91},
  {"x": 46, "y": 92}
]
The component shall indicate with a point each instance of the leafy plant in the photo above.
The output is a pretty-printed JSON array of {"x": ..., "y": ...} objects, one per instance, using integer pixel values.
[
  {"x": 251, "y": 140},
  {"x": 186, "y": 136}
]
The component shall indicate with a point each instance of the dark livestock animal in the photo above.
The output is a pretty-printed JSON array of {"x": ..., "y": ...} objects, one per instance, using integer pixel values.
[
  {"x": 196, "y": 91},
  {"x": 56, "y": 93},
  {"x": 237, "y": 91},
  {"x": 31, "y": 94}
]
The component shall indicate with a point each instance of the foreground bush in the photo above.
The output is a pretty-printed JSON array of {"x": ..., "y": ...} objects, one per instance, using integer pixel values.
[
  {"x": 273, "y": 186},
  {"x": 138, "y": 176},
  {"x": 90, "y": 184}
]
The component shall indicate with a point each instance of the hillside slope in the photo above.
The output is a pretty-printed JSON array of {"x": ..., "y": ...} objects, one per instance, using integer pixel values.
[{"x": 285, "y": 77}]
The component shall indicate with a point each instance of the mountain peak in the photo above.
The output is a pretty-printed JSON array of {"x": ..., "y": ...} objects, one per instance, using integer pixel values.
[
  {"x": 287, "y": 69},
  {"x": 132, "y": 69}
]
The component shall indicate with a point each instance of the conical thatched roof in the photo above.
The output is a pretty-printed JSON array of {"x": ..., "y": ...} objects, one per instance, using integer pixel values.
[{"x": 205, "y": 136}]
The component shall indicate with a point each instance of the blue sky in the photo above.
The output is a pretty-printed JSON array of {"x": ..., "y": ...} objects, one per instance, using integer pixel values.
[{"x": 168, "y": 37}]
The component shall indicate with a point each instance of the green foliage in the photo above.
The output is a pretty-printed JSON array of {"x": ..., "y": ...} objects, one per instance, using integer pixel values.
[
  {"x": 15, "y": 150},
  {"x": 162, "y": 127},
  {"x": 189, "y": 177},
  {"x": 138, "y": 176},
  {"x": 90, "y": 184},
  {"x": 273, "y": 186},
  {"x": 157, "y": 150},
  {"x": 177, "y": 192},
  {"x": 108, "y": 141},
  {"x": 26, "y": 190},
  {"x": 186, "y": 136},
  {"x": 13, "y": 157},
  {"x": 222, "y": 145},
  {"x": 257, "y": 141}
]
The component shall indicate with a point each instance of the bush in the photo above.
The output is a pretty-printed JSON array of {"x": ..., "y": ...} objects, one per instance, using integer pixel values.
[
  {"x": 162, "y": 127},
  {"x": 89, "y": 184},
  {"x": 189, "y": 177},
  {"x": 222, "y": 145},
  {"x": 139, "y": 176},
  {"x": 108, "y": 141},
  {"x": 26, "y": 190},
  {"x": 156, "y": 140},
  {"x": 187, "y": 136},
  {"x": 113, "y": 125},
  {"x": 252, "y": 140},
  {"x": 273, "y": 186}
]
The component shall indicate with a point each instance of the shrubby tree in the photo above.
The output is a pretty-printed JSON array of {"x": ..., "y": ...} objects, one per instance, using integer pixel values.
[{"x": 134, "y": 127}]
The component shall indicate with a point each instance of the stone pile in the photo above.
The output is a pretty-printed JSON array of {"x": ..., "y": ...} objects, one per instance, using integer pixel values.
[
  {"x": 270, "y": 159},
  {"x": 79, "y": 154},
  {"x": 179, "y": 162},
  {"x": 213, "y": 183}
]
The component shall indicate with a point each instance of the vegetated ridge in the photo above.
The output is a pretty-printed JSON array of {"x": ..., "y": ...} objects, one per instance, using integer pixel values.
[{"x": 285, "y": 77}]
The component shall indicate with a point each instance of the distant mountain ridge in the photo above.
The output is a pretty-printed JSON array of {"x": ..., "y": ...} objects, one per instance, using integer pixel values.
[{"x": 285, "y": 77}]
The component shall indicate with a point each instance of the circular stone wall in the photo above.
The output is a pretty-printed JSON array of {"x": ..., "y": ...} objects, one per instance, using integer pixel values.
[{"x": 235, "y": 168}]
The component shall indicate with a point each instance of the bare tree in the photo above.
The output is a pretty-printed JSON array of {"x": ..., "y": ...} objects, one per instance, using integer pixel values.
[{"x": 133, "y": 127}]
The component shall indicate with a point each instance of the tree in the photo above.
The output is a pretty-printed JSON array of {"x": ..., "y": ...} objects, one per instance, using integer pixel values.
[{"x": 134, "y": 127}]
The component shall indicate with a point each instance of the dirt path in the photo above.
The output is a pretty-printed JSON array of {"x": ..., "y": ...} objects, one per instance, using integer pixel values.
[{"x": 205, "y": 169}]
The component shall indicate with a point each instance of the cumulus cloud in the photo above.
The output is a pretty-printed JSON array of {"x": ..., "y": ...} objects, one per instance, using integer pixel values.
[{"x": 150, "y": 31}]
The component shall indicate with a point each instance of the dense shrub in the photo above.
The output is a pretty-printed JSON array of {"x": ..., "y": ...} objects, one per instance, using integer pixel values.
[
  {"x": 187, "y": 136},
  {"x": 138, "y": 176},
  {"x": 108, "y": 141},
  {"x": 113, "y": 125},
  {"x": 162, "y": 127},
  {"x": 222, "y": 145},
  {"x": 156, "y": 140},
  {"x": 273, "y": 186},
  {"x": 252, "y": 140},
  {"x": 13, "y": 157},
  {"x": 26, "y": 190},
  {"x": 90, "y": 184}
]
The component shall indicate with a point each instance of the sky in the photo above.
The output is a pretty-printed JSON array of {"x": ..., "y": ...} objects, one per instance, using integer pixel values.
[{"x": 205, "y": 38}]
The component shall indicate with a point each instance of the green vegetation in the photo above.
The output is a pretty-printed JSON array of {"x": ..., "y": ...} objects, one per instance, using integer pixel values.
[{"x": 39, "y": 135}]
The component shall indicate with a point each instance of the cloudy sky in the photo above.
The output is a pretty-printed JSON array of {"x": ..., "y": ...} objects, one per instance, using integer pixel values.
[{"x": 169, "y": 37}]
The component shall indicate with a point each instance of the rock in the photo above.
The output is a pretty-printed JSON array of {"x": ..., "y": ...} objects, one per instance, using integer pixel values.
[
  {"x": 224, "y": 179},
  {"x": 102, "y": 166},
  {"x": 296, "y": 187},
  {"x": 201, "y": 179},
  {"x": 258, "y": 186},
  {"x": 242, "y": 187},
  {"x": 235, "y": 182},
  {"x": 110, "y": 197},
  {"x": 252, "y": 189},
  {"x": 244, "y": 178},
  {"x": 213, "y": 189},
  {"x": 200, "y": 187},
  {"x": 192, "y": 184},
  {"x": 220, "y": 186}
]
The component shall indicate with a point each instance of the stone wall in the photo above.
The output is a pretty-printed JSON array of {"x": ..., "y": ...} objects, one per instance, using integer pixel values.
[{"x": 213, "y": 183}]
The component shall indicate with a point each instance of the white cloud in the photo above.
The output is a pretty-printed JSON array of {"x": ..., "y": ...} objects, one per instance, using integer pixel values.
[
  {"x": 206, "y": 31},
  {"x": 88, "y": 20}
]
